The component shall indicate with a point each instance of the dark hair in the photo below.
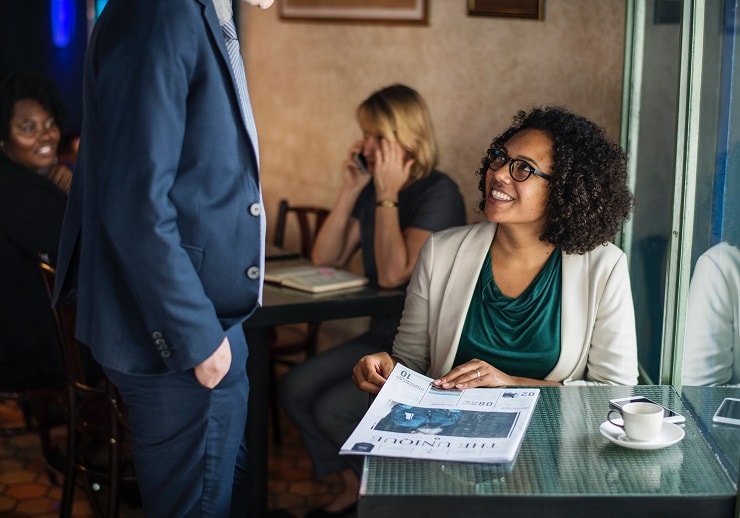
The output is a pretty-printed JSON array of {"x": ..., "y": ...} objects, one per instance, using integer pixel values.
[
  {"x": 589, "y": 197},
  {"x": 18, "y": 87}
]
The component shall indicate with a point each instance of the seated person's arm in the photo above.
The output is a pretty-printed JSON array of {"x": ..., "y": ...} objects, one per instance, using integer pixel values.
[
  {"x": 339, "y": 236},
  {"x": 336, "y": 241},
  {"x": 61, "y": 176},
  {"x": 612, "y": 355},
  {"x": 710, "y": 330},
  {"x": 395, "y": 251}
]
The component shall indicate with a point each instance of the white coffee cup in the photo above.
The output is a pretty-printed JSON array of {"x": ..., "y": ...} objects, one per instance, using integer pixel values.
[{"x": 642, "y": 421}]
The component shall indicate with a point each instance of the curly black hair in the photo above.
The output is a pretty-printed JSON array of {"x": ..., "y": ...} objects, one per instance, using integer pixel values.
[
  {"x": 17, "y": 87},
  {"x": 589, "y": 197}
]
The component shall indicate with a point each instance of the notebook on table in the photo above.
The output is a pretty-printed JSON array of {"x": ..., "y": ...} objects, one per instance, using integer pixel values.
[{"x": 314, "y": 279}]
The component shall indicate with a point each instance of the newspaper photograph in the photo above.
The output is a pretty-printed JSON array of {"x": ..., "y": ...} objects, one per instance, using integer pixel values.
[{"x": 410, "y": 417}]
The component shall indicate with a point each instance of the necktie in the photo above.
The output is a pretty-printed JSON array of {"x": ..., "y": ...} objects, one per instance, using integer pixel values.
[{"x": 237, "y": 67}]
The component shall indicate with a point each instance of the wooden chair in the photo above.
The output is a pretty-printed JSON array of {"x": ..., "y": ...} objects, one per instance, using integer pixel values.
[
  {"x": 309, "y": 219},
  {"x": 96, "y": 423}
]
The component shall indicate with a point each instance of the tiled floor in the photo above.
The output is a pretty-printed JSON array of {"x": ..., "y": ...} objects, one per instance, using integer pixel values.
[{"x": 26, "y": 491}]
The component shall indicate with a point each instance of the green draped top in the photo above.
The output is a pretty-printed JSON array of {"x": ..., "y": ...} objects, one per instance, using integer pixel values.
[{"x": 519, "y": 336}]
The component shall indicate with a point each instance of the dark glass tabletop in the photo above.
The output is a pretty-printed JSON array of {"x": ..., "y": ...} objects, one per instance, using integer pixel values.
[
  {"x": 723, "y": 438},
  {"x": 565, "y": 467}
]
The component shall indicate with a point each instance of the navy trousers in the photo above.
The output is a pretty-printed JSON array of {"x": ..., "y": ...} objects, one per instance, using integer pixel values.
[
  {"x": 188, "y": 442},
  {"x": 324, "y": 404}
]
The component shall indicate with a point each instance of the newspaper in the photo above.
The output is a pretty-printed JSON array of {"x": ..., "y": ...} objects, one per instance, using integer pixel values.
[{"x": 412, "y": 418}]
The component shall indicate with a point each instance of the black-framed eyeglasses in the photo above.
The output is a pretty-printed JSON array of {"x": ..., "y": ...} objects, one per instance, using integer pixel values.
[{"x": 519, "y": 170}]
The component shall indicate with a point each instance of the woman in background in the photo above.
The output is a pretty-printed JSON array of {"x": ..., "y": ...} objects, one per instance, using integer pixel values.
[
  {"x": 33, "y": 189},
  {"x": 392, "y": 199},
  {"x": 535, "y": 295}
]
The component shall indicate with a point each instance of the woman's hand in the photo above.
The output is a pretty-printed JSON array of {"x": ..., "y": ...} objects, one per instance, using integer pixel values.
[
  {"x": 355, "y": 179},
  {"x": 61, "y": 176},
  {"x": 371, "y": 372},
  {"x": 474, "y": 374},
  {"x": 392, "y": 169}
]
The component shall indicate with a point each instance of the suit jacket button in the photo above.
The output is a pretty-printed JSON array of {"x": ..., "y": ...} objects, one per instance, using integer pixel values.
[
  {"x": 157, "y": 334},
  {"x": 165, "y": 354},
  {"x": 255, "y": 209},
  {"x": 253, "y": 272}
]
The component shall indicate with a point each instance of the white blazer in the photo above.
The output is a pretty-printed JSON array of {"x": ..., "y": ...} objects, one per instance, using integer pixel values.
[
  {"x": 711, "y": 351},
  {"x": 598, "y": 337}
]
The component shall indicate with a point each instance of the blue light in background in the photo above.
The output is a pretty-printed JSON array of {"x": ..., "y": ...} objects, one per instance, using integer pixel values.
[
  {"x": 99, "y": 5},
  {"x": 62, "y": 22}
]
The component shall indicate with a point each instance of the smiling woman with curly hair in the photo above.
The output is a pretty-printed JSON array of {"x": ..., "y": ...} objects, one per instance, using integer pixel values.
[
  {"x": 588, "y": 198},
  {"x": 537, "y": 294}
]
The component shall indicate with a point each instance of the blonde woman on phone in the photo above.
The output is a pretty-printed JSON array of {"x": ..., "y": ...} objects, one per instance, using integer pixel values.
[{"x": 391, "y": 200}]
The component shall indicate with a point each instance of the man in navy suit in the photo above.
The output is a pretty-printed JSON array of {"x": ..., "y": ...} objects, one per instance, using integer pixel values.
[{"x": 163, "y": 240}]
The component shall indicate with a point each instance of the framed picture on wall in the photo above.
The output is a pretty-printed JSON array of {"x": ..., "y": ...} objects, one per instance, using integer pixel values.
[
  {"x": 399, "y": 11},
  {"x": 533, "y": 9}
]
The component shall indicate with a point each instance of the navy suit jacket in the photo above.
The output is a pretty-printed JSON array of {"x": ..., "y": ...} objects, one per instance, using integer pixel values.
[{"x": 161, "y": 238}]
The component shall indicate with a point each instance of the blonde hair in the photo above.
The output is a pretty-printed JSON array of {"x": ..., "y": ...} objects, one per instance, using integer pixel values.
[{"x": 399, "y": 113}]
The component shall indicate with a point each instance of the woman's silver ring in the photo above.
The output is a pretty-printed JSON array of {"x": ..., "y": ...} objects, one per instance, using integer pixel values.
[{"x": 477, "y": 374}]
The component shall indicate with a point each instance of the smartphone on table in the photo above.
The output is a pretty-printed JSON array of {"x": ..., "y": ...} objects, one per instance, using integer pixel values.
[
  {"x": 728, "y": 411},
  {"x": 668, "y": 414}
]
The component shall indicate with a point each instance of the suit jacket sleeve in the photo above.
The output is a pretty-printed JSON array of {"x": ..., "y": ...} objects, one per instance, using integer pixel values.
[
  {"x": 599, "y": 340},
  {"x": 412, "y": 344}
]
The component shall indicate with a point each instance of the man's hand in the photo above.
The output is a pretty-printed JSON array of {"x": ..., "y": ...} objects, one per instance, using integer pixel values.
[
  {"x": 262, "y": 4},
  {"x": 214, "y": 368}
]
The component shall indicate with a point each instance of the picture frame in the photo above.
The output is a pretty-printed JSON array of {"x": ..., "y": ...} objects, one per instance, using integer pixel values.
[
  {"x": 531, "y": 9},
  {"x": 385, "y": 11}
]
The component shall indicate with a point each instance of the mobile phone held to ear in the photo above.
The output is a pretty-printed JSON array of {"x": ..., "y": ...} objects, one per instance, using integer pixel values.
[
  {"x": 728, "y": 412},
  {"x": 361, "y": 162},
  {"x": 668, "y": 414}
]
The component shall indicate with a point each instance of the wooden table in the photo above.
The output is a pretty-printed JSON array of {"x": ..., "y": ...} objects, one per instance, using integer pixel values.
[{"x": 276, "y": 253}]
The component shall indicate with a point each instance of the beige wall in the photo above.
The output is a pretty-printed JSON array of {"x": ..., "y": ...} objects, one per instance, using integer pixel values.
[{"x": 306, "y": 79}]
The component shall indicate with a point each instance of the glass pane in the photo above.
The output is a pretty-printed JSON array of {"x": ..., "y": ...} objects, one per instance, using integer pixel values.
[
  {"x": 711, "y": 349},
  {"x": 654, "y": 156}
]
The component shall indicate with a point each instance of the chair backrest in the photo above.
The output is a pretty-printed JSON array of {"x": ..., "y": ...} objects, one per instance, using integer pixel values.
[
  {"x": 97, "y": 416},
  {"x": 79, "y": 365},
  {"x": 310, "y": 218},
  {"x": 65, "y": 315}
]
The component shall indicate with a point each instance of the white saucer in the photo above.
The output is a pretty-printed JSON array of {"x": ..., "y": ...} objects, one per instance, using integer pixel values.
[{"x": 669, "y": 434}]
